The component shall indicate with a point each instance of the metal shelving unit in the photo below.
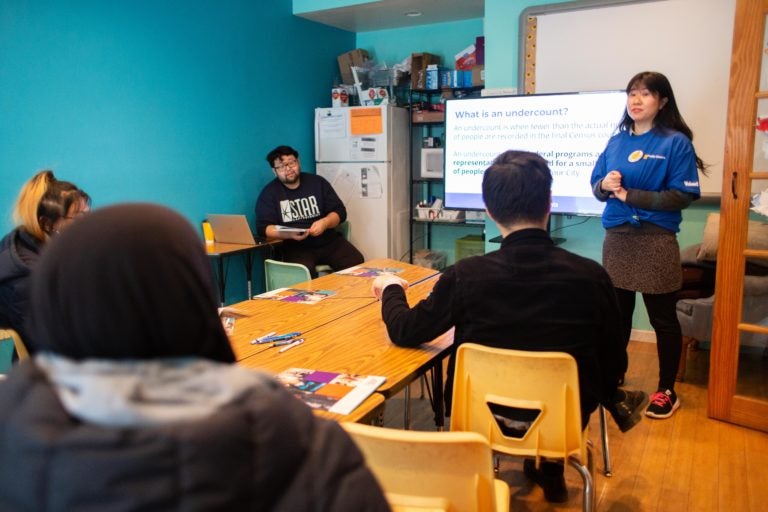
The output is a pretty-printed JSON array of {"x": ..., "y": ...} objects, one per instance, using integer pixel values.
[{"x": 427, "y": 120}]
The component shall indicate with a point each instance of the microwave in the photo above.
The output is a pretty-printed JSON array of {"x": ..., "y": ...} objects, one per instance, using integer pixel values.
[{"x": 431, "y": 163}]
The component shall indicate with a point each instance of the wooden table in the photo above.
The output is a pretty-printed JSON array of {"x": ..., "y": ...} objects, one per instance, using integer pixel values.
[
  {"x": 368, "y": 411},
  {"x": 222, "y": 251},
  {"x": 357, "y": 342},
  {"x": 265, "y": 316},
  {"x": 262, "y": 316},
  {"x": 349, "y": 286}
]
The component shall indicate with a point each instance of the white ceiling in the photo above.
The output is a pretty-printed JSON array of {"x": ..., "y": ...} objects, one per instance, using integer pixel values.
[{"x": 386, "y": 14}]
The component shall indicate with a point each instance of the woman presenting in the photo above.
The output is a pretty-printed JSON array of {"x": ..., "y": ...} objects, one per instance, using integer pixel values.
[{"x": 647, "y": 174}]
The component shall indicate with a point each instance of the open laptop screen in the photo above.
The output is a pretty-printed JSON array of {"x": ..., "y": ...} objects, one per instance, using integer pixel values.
[{"x": 231, "y": 229}]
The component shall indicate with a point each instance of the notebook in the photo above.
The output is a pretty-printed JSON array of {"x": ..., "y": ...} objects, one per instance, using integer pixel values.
[{"x": 231, "y": 229}]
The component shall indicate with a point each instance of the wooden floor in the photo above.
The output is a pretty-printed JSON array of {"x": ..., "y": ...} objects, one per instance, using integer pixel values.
[{"x": 685, "y": 463}]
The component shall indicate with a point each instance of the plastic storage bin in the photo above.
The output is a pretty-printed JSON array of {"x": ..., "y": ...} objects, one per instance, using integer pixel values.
[
  {"x": 470, "y": 245},
  {"x": 429, "y": 259}
]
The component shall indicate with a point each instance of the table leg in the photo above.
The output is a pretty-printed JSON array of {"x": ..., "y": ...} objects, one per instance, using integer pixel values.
[
  {"x": 437, "y": 387},
  {"x": 222, "y": 278},
  {"x": 248, "y": 260},
  {"x": 407, "y": 408}
]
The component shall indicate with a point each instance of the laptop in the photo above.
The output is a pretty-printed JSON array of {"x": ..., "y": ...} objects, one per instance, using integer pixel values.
[{"x": 231, "y": 229}]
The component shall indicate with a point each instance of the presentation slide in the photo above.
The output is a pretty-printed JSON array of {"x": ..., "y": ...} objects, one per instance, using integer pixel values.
[{"x": 569, "y": 130}]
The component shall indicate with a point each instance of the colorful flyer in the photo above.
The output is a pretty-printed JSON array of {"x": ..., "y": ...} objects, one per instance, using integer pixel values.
[
  {"x": 368, "y": 271},
  {"x": 295, "y": 295}
]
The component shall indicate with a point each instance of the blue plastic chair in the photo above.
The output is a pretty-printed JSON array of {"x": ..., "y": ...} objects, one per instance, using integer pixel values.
[{"x": 279, "y": 274}]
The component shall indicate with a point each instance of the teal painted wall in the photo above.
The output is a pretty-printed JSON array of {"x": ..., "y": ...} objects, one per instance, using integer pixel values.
[
  {"x": 443, "y": 39},
  {"x": 179, "y": 103},
  {"x": 170, "y": 102}
]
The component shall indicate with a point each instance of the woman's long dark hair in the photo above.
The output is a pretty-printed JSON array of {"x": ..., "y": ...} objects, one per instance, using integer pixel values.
[{"x": 669, "y": 117}]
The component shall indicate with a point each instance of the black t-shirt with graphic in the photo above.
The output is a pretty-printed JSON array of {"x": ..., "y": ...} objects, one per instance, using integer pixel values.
[{"x": 312, "y": 200}]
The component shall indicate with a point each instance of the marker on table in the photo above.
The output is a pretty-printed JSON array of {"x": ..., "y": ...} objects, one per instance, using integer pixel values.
[
  {"x": 280, "y": 337},
  {"x": 281, "y": 343},
  {"x": 295, "y": 343},
  {"x": 263, "y": 339}
]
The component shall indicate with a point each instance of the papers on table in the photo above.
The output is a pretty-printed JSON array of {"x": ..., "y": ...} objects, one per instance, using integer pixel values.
[
  {"x": 294, "y": 295},
  {"x": 360, "y": 271},
  {"x": 338, "y": 393},
  {"x": 289, "y": 229}
]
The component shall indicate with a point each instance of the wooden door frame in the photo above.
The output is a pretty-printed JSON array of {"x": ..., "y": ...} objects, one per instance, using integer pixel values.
[{"x": 746, "y": 60}]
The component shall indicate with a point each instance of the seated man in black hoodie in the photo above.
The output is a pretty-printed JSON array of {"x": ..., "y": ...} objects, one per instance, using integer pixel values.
[
  {"x": 307, "y": 203},
  {"x": 528, "y": 295}
]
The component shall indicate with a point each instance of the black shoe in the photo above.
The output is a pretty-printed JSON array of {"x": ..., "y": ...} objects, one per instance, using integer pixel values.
[
  {"x": 663, "y": 403},
  {"x": 627, "y": 408},
  {"x": 549, "y": 477}
]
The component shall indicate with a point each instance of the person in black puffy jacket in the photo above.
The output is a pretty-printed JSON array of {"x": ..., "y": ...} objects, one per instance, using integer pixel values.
[
  {"x": 133, "y": 402},
  {"x": 45, "y": 206}
]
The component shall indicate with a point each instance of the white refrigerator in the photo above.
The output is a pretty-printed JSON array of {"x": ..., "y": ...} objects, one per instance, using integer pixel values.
[{"x": 364, "y": 153}]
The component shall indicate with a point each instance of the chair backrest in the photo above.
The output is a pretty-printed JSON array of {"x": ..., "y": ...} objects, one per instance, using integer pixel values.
[
  {"x": 279, "y": 274},
  {"x": 450, "y": 471},
  {"x": 21, "y": 349},
  {"x": 345, "y": 229},
  {"x": 513, "y": 380}
]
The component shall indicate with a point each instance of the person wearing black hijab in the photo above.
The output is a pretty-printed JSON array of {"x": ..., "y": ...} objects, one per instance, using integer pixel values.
[{"x": 132, "y": 401}]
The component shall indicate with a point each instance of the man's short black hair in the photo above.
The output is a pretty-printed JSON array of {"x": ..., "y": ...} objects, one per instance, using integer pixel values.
[
  {"x": 279, "y": 152},
  {"x": 516, "y": 187}
]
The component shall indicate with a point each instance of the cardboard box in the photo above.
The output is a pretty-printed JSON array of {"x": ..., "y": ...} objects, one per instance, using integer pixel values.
[
  {"x": 355, "y": 58},
  {"x": 419, "y": 63},
  {"x": 478, "y": 75},
  {"x": 466, "y": 58},
  {"x": 437, "y": 77},
  {"x": 468, "y": 79},
  {"x": 461, "y": 79},
  {"x": 428, "y": 116}
]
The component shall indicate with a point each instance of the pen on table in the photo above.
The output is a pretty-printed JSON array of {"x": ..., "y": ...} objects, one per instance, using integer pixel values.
[
  {"x": 295, "y": 343},
  {"x": 269, "y": 338},
  {"x": 281, "y": 343},
  {"x": 280, "y": 337},
  {"x": 263, "y": 339}
]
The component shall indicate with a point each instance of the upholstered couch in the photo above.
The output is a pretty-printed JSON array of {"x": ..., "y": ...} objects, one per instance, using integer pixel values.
[{"x": 694, "y": 309}]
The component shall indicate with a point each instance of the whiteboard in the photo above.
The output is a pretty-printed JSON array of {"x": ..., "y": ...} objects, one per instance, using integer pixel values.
[{"x": 583, "y": 47}]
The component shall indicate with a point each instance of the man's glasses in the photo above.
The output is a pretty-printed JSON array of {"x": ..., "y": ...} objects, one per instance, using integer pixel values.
[{"x": 286, "y": 164}]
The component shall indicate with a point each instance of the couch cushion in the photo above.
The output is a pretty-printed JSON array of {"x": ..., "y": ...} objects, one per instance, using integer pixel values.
[{"x": 757, "y": 238}]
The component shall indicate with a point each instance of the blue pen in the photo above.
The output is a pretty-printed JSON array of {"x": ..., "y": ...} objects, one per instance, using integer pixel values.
[
  {"x": 280, "y": 337},
  {"x": 263, "y": 339}
]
